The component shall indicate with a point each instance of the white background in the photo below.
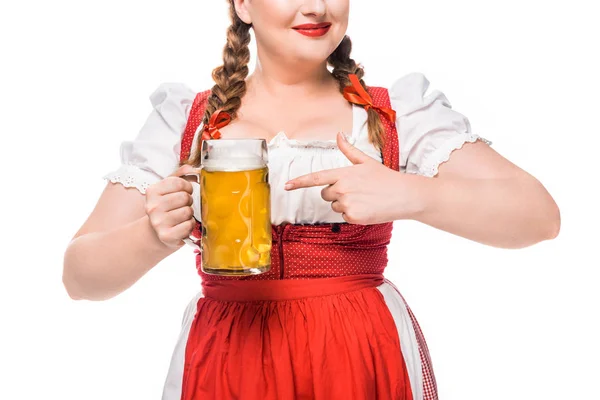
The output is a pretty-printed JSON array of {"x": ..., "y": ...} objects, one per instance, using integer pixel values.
[{"x": 500, "y": 324}]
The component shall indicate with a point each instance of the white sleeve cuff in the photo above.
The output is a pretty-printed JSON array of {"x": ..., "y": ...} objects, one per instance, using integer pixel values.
[
  {"x": 430, "y": 163},
  {"x": 133, "y": 176}
]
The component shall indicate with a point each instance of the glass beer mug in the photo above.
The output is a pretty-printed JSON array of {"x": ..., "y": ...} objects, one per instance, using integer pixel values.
[{"x": 235, "y": 207}]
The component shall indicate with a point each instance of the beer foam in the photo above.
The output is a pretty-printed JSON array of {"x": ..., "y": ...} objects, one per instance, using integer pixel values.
[{"x": 232, "y": 163}]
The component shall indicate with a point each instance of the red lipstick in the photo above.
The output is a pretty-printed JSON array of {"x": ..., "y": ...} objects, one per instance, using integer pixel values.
[{"x": 313, "y": 30}]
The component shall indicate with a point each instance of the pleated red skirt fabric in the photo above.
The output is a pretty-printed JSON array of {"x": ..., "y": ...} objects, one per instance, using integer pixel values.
[{"x": 331, "y": 338}]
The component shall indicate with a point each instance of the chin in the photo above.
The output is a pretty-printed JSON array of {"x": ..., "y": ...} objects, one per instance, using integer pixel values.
[
  {"x": 313, "y": 53},
  {"x": 311, "y": 58},
  {"x": 296, "y": 49}
]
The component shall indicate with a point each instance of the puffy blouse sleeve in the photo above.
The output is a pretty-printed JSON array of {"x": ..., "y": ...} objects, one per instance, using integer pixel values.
[
  {"x": 154, "y": 153},
  {"x": 429, "y": 130}
]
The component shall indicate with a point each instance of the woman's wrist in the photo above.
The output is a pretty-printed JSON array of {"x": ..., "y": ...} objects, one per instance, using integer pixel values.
[{"x": 415, "y": 195}]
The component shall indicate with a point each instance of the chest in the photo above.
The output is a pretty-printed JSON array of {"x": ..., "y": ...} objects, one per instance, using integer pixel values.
[{"x": 304, "y": 121}]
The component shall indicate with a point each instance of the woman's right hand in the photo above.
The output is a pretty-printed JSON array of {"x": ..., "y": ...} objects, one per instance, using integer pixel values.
[{"x": 169, "y": 207}]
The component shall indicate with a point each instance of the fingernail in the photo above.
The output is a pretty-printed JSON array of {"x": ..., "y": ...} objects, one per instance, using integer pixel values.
[
  {"x": 288, "y": 186},
  {"x": 343, "y": 136}
]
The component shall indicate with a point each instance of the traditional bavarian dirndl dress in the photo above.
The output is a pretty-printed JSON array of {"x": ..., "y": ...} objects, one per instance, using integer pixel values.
[
  {"x": 318, "y": 325},
  {"x": 323, "y": 323}
]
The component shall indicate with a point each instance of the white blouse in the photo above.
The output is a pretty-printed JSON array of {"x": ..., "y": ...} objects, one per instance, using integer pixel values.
[{"x": 428, "y": 131}]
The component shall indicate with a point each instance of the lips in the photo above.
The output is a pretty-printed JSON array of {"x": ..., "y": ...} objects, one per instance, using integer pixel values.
[{"x": 313, "y": 30}]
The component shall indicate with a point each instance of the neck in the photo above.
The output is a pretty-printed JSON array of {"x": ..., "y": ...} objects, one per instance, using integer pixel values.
[{"x": 290, "y": 81}]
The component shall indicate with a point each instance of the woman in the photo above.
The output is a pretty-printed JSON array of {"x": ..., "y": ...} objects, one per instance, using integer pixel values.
[{"x": 323, "y": 323}]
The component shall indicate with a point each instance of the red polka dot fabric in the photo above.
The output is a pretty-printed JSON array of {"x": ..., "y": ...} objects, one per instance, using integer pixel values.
[
  {"x": 391, "y": 148},
  {"x": 193, "y": 122}
]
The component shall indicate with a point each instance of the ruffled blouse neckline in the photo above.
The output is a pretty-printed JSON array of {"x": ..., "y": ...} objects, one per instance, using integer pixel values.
[{"x": 282, "y": 140}]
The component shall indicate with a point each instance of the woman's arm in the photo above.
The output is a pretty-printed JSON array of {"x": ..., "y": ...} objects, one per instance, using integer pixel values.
[
  {"x": 480, "y": 195},
  {"x": 477, "y": 194},
  {"x": 114, "y": 248}
]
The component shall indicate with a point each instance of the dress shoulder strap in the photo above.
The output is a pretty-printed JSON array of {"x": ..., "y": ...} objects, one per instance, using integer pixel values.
[
  {"x": 391, "y": 147},
  {"x": 193, "y": 122}
]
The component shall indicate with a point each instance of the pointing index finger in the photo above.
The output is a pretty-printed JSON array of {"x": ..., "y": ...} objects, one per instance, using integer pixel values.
[{"x": 319, "y": 178}]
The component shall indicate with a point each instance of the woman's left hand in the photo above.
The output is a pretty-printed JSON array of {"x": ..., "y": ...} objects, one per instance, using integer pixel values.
[{"x": 366, "y": 192}]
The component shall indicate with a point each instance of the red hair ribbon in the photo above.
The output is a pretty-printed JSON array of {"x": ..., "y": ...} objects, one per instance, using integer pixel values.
[
  {"x": 358, "y": 95},
  {"x": 218, "y": 119}
]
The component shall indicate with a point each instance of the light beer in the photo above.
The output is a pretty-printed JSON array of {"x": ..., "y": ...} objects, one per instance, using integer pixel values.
[{"x": 236, "y": 218}]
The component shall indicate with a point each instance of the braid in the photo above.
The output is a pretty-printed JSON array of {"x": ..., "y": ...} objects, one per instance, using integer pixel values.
[
  {"x": 230, "y": 78},
  {"x": 343, "y": 65}
]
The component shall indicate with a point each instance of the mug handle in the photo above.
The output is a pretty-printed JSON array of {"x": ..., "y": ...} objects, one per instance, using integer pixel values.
[{"x": 194, "y": 239}]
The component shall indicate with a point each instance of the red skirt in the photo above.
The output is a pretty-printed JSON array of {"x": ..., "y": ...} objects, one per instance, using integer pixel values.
[{"x": 331, "y": 338}]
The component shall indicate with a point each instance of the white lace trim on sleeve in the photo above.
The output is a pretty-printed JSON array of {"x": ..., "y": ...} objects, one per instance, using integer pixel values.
[
  {"x": 430, "y": 165},
  {"x": 133, "y": 176}
]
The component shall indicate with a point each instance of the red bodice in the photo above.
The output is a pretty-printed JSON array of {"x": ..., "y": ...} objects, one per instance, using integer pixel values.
[{"x": 325, "y": 250}]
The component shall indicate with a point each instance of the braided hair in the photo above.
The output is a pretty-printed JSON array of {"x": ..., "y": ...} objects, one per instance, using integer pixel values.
[
  {"x": 343, "y": 65},
  {"x": 230, "y": 78}
]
